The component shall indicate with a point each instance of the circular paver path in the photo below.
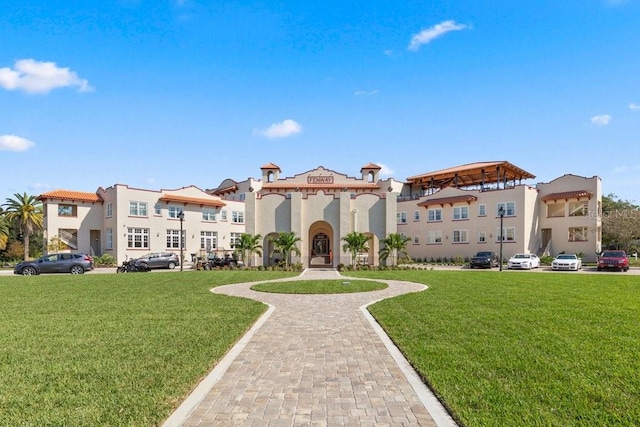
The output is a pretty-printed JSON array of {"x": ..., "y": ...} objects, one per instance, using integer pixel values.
[{"x": 313, "y": 360}]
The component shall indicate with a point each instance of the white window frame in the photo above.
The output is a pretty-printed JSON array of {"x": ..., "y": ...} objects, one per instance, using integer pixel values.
[
  {"x": 138, "y": 238},
  {"x": 434, "y": 237},
  {"x": 416, "y": 215},
  {"x": 509, "y": 208},
  {"x": 210, "y": 239},
  {"x": 460, "y": 213},
  {"x": 460, "y": 236},
  {"x": 223, "y": 215},
  {"x": 137, "y": 208},
  {"x": 509, "y": 233},
  {"x": 237, "y": 217},
  {"x": 416, "y": 239},
  {"x": 157, "y": 209},
  {"x": 173, "y": 211},
  {"x": 108, "y": 234},
  {"x": 482, "y": 209},
  {"x": 482, "y": 236},
  {"x": 234, "y": 238},
  {"x": 109, "y": 210},
  {"x": 208, "y": 214},
  {"x": 402, "y": 217},
  {"x": 434, "y": 215},
  {"x": 173, "y": 239}
]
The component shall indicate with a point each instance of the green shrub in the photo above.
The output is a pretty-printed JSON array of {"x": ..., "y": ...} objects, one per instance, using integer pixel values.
[{"x": 104, "y": 260}]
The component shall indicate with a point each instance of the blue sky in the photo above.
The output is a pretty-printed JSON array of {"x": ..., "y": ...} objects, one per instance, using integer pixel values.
[{"x": 161, "y": 94}]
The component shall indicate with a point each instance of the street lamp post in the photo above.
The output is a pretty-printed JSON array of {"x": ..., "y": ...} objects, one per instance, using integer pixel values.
[
  {"x": 501, "y": 235},
  {"x": 181, "y": 218}
]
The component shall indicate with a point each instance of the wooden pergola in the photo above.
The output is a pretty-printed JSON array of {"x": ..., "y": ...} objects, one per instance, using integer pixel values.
[{"x": 479, "y": 174}]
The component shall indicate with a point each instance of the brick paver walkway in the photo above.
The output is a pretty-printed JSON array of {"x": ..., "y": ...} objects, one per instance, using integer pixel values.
[{"x": 312, "y": 360}]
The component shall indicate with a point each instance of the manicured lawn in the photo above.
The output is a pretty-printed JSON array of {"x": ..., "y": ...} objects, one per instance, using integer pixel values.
[
  {"x": 523, "y": 349},
  {"x": 113, "y": 350},
  {"x": 320, "y": 286}
]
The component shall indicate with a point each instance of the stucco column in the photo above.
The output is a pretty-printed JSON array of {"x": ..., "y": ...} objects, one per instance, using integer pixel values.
[{"x": 300, "y": 228}]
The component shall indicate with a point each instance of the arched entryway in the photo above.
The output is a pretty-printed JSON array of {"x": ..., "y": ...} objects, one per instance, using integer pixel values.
[{"x": 321, "y": 244}]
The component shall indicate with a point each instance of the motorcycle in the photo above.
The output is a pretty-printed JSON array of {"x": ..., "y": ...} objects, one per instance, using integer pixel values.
[{"x": 130, "y": 266}]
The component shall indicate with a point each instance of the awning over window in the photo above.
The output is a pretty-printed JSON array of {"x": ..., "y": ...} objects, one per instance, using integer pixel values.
[
  {"x": 580, "y": 194},
  {"x": 448, "y": 200}
]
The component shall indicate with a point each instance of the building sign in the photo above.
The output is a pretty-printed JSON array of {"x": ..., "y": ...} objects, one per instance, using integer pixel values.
[{"x": 319, "y": 179}]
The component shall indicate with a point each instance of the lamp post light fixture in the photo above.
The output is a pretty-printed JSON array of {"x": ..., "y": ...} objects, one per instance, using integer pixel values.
[
  {"x": 181, "y": 218},
  {"x": 501, "y": 235}
]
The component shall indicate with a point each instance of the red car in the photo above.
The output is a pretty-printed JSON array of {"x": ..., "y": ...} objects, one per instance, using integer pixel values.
[{"x": 617, "y": 260}]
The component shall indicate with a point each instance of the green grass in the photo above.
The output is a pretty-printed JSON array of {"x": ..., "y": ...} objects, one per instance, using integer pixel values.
[
  {"x": 107, "y": 349},
  {"x": 522, "y": 349},
  {"x": 320, "y": 286}
]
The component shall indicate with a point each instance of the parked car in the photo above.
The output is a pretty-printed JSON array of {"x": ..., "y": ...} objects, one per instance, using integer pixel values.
[
  {"x": 486, "y": 259},
  {"x": 157, "y": 260},
  {"x": 74, "y": 263},
  {"x": 617, "y": 260},
  {"x": 566, "y": 262},
  {"x": 523, "y": 261},
  {"x": 227, "y": 261}
]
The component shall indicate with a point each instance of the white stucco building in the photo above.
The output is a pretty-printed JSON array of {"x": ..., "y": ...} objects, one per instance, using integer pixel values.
[{"x": 448, "y": 213}]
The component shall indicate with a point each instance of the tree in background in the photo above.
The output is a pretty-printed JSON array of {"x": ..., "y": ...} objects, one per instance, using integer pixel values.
[
  {"x": 247, "y": 245},
  {"x": 355, "y": 243},
  {"x": 4, "y": 230},
  {"x": 285, "y": 244},
  {"x": 620, "y": 223},
  {"x": 25, "y": 211},
  {"x": 395, "y": 245}
]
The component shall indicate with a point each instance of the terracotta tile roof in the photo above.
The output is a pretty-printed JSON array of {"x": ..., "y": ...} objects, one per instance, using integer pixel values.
[
  {"x": 449, "y": 200},
  {"x": 229, "y": 189},
  {"x": 270, "y": 166},
  {"x": 192, "y": 200},
  {"x": 567, "y": 195},
  {"x": 338, "y": 186},
  {"x": 80, "y": 196},
  {"x": 370, "y": 166},
  {"x": 471, "y": 174}
]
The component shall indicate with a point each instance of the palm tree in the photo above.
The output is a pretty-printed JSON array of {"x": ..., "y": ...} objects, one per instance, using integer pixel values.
[
  {"x": 394, "y": 245},
  {"x": 247, "y": 245},
  {"x": 355, "y": 243},
  {"x": 284, "y": 244},
  {"x": 26, "y": 211},
  {"x": 4, "y": 230}
]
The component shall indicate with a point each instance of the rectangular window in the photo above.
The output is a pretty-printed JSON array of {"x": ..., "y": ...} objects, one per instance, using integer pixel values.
[
  {"x": 509, "y": 208},
  {"x": 173, "y": 239},
  {"x": 109, "y": 210},
  {"x": 138, "y": 208},
  {"x": 555, "y": 210},
  {"x": 208, "y": 214},
  {"x": 509, "y": 234},
  {"x": 434, "y": 215},
  {"x": 578, "y": 208},
  {"x": 109, "y": 238},
  {"x": 482, "y": 210},
  {"x": 173, "y": 211},
  {"x": 157, "y": 209},
  {"x": 67, "y": 210},
  {"x": 578, "y": 234},
  {"x": 416, "y": 240},
  {"x": 402, "y": 217},
  {"x": 223, "y": 215},
  {"x": 208, "y": 240},
  {"x": 460, "y": 212},
  {"x": 237, "y": 217},
  {"x": 460, "y": 236},
  {"x": 235, "y": 238},
  {"x": 434, "y": 237},
  {"x": 482, "y": 237},
  {"x": 137, "y": 238},
  {"x": 416, "y": 215},
  {"x": 242, "y": 197}
]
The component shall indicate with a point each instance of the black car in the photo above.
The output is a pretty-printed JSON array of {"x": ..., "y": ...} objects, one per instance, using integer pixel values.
[
  {"x": 486, "y": 259},
  {"x": 157, "y": 260},
  {"x": 74, "y": 263}
]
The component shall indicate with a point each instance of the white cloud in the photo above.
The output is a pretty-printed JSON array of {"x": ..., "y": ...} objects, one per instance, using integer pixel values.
[
  {"x": 14, "y": 143},
  {"x": 281, "y": 130},
  {"x": 385, "y": 170},
  {"x": 388, "y": 52},
  {"x": 365, "y": 92},
  {"x": 426, "y": 36},
  {"x": 634, "y": 107},
  {"x": 40, "y": 77},
  {"x": 601, "y": 120}
]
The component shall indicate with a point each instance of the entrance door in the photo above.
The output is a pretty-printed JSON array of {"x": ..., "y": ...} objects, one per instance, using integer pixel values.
[
  {"x": 320, "y": 250},
  {"x": 546, "y": 238}
]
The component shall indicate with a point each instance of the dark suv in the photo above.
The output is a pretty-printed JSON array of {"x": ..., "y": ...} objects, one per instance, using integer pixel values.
[
  {"x": 74, "y": 263},
  {"x": 158, "y": 260},
  {"x": 485, "y": 259},
  {"x": 616, "y": 260}
]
